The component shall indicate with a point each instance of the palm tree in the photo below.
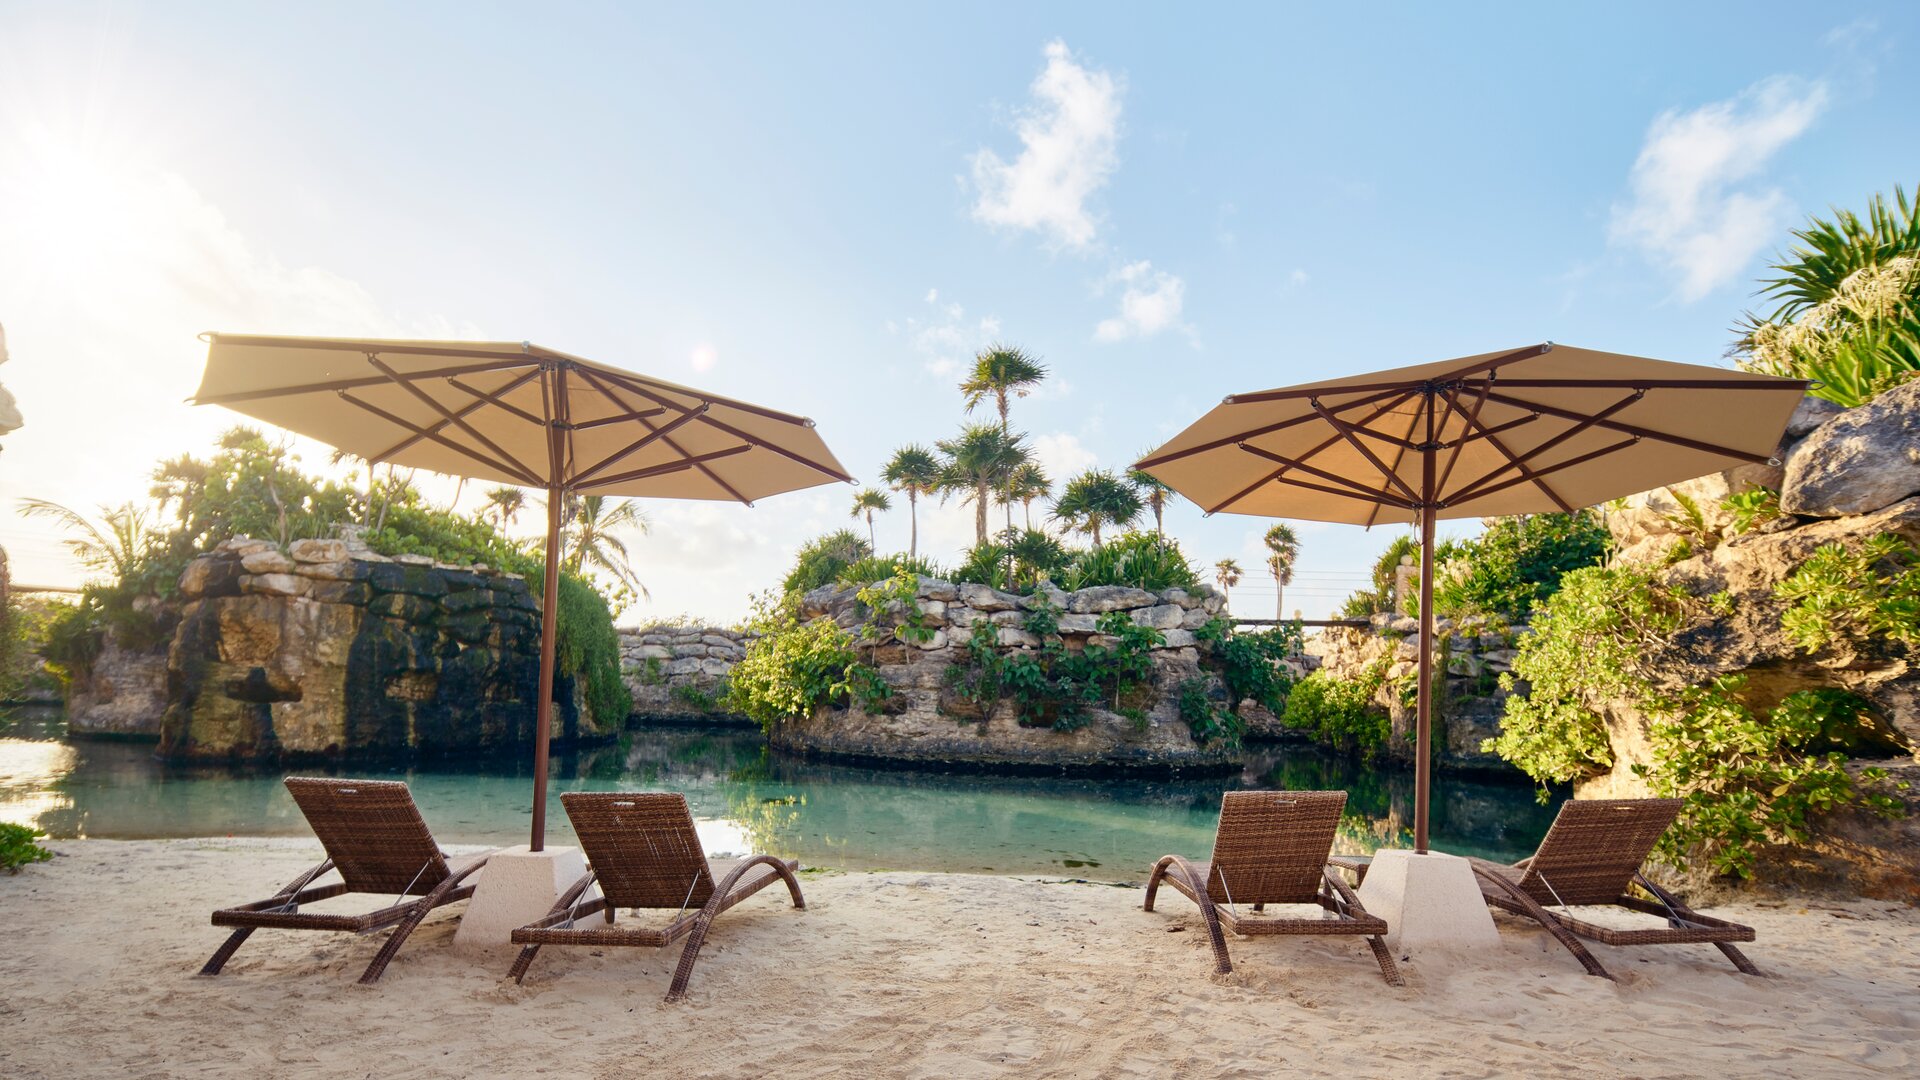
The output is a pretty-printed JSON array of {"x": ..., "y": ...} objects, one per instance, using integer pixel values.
[
  {"x": 1285, "y": 546},
  {"x": 503, "y": 505},
  {"x": 116, "y": 551},
  {"x": 999, "y": 371},
  {"x": 914, "y": 470},
  {"x": 1095, "y": 498},
  {"x": 588, "y": 539},
  {"x": 1155, "y": 492},
  {"x": 979, "y": 460},
  {"x": 1227, "y": 573},
  {"x": 1028, "y": 482},
  {"x": 865, "y": 503}
]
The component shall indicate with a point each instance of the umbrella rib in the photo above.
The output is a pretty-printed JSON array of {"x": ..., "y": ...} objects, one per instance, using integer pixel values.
[
  {"x": 1520, "y": 462},
  {"x": 668, "y": 467},
  {"x": 1466, "y": 430},
  {"x": 1628, "y": 384},
  {"x": 441, "y": 426},
  {"x": 1567, "y": 464},
  {"x": 1404, "y": 445},
  {"x": 590, "y": 375},
  {"x": 456, "y": 419},
  {"x": 719, "y": 425},
  {"x": 622, "y": 418},
  {"x": 397, "y": 348},
  {"x": 635, "y": 447},
  {"x": 1347, "y": 431},
  {"x": 1251, "y": 433},
  {"x": 1297, "y": 392},
  {"x": 1357, "y": 490},
  {"x": 1631, "y": 429},
  {"x": 355, "y": 383},
  {"x": 434, "y": 435},
  {"x": 1281, "y": 471},
  {"x": 1494, "y": 441},
  {"x": 494, "y": 398},
  {"x": 632, "y": 382}
]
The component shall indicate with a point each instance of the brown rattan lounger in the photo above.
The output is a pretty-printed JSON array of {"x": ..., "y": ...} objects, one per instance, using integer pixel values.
[
  {"x": 375, "y": 838},
  {"x": 1592, "y": 855},
  {"x": 644, "y": 853},
  {"x": 1271, "y": 848}
]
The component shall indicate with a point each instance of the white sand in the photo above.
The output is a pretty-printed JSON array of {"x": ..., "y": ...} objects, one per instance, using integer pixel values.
[{"x": 907, "y": 974}]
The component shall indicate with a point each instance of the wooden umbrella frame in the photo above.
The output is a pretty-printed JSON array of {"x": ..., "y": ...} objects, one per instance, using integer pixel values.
[
  {"x": 1459, "y": 394},
  {"x": 637, "y": 400}
]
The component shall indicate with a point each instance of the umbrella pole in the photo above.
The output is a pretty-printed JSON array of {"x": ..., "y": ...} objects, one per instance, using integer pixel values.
[
  {"x": 1423, "y": 721},
  {"x": 543, "y": 708}
]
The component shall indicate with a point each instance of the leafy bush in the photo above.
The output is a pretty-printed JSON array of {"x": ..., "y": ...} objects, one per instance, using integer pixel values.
[
  {"x": 1751, "y": 508},
  {"x": 881, "y": 567},
  {"x": 1207, "y": 721},
  {"x": 1139, "y": 560},
  {"x": 824, "y": 560},
  {"x": 17, "y": 847},
  {"x": 1053, "y": 686},
  {"x": 1250, "y": 662},
  {"x": 791, "y": 668},
  {"x": 1340, "y": 712},
  {"x": 586, "y": 647},
  {"x": 1517, "y": 563},
  {"x": 1869, "y": 594},
  {"x": 1749, "y": 780}
]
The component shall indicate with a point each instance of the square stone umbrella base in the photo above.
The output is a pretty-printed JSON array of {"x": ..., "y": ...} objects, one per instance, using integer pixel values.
[
  {"x": 1430, "y": 902},
  {"x": 517, "y": 887}
]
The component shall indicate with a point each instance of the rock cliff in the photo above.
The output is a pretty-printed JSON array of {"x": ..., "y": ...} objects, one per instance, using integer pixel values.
[
  {"x": 329, "y": 651},
  {"x": 930, "y": 720}
]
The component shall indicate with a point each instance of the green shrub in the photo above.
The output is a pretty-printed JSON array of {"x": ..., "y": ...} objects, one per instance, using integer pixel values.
[
  {"x": 699, "y": 699},
  {"x": 586, "y": 648},
  {"x": 1865, "y": 595},
  {"x": 1516, "y": 563},
  {"x": 1751, "y": 508},
  {"x": 17, "y": 847},
  {"x": 1749, "y": 779},
  {"x": 1250, "y": 663},
  {"x": 1054, "y": 687},
  {"x": 1208, "y": 721},
  {"x": 1140, "y": 560},
  {"x": 792, "y": 668},
  {"x": 874, "y": 568},
  {"x": 825, "y": 559},
  {"x": 1340, "y": 712}
]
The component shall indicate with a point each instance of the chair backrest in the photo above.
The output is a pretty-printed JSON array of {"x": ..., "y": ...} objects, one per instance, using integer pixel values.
[
  {"x": 1272, "y": 846},
  {"x": 644, "y": 850},
  {"x": 373, "y": 833},
  {"x": 1590, "y": 854}
]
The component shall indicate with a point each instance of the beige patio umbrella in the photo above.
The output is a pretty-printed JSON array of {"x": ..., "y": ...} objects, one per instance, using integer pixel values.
[
  {"x": 517, "y": 413},
  {"x": 1533, "y": 430}
]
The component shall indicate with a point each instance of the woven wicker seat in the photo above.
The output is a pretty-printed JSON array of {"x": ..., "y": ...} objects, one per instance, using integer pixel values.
[
  {"x": 1271, "y": 847},
  {"x": 644, "y": 853},
  {"x": 376, "y": 840},
  {"x": 1592, "y": 856}
]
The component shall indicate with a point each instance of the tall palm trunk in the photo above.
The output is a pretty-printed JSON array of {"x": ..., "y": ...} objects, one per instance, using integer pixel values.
[
  {"x": 1279, "y": 604},
  {"x": 872, "y": 542},
  {"x": 980, "y": 500},
  {"x": 913, "y": 526},
  {"x": 1096, "y": 531}
]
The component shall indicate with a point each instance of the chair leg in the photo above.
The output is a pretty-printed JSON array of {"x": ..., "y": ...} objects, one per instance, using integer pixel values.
[
  {"x": 1552, "y": 925},
  {"x": 226, "y": 950},
  {"x": 1387, "y": 968},
  {"x": 522, "y": 962},
  {"x": 391, "y": 947},
  {"x": 1739, "y": 959}
]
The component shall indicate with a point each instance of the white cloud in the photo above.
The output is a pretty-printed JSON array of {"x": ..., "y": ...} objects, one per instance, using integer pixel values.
[
  {"x": 1068, "y": 136},
  {"x": 1150, "y": 301},
  {"x": 946, "y": 339},
  {"x": 1689, "y": 210},
  {"x": 1297, "y": 278},
  {"x": 1062, "y": 455}
]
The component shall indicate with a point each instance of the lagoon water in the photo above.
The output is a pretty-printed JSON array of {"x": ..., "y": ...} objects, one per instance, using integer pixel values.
[{"x": 747, "y": 798}]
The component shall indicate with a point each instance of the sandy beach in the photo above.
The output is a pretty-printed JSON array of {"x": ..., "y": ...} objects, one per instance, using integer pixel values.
[{"x": 908, "y": 974}]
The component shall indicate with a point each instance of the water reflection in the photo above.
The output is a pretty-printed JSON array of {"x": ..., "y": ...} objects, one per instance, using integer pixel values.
[{"x": 747, "y": 798}]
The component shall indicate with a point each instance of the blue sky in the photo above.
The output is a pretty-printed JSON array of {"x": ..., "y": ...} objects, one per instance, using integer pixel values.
[{"x": 827, "y": 208}]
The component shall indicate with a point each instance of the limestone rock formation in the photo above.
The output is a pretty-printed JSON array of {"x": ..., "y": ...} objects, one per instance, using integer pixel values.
[
  {"x": 330, "y": 652},
  {"x": 680, "y": 672},
  {"x": 1859, "y": 461}
]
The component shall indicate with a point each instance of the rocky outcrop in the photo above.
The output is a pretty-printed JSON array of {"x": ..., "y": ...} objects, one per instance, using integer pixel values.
[
  {"x": 680, "y": 672},
  {"x": 328, "y": 651},
  {"x": 1472, "y": 653},
  {"x": 122, "y": 693},
  {"x": 929, "y": 720},
  {"x": 1858, "y": 461}
]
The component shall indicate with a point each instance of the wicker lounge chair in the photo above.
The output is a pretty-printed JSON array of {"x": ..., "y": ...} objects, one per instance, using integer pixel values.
[
  {"x": 644, "y": 853},
  {"x": 375, "y": 838},
  {"x": 1271, "y": 848},
  {"x": 1592, "y": 856}
]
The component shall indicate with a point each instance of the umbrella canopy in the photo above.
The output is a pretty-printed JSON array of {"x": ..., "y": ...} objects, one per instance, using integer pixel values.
[
  {"x": 1531, "y": 430},
  {"x": 517, "y": 413}
]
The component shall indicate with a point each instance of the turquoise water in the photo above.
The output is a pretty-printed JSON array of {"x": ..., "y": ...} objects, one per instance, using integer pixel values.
[{"x": 747, "y": 798}]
